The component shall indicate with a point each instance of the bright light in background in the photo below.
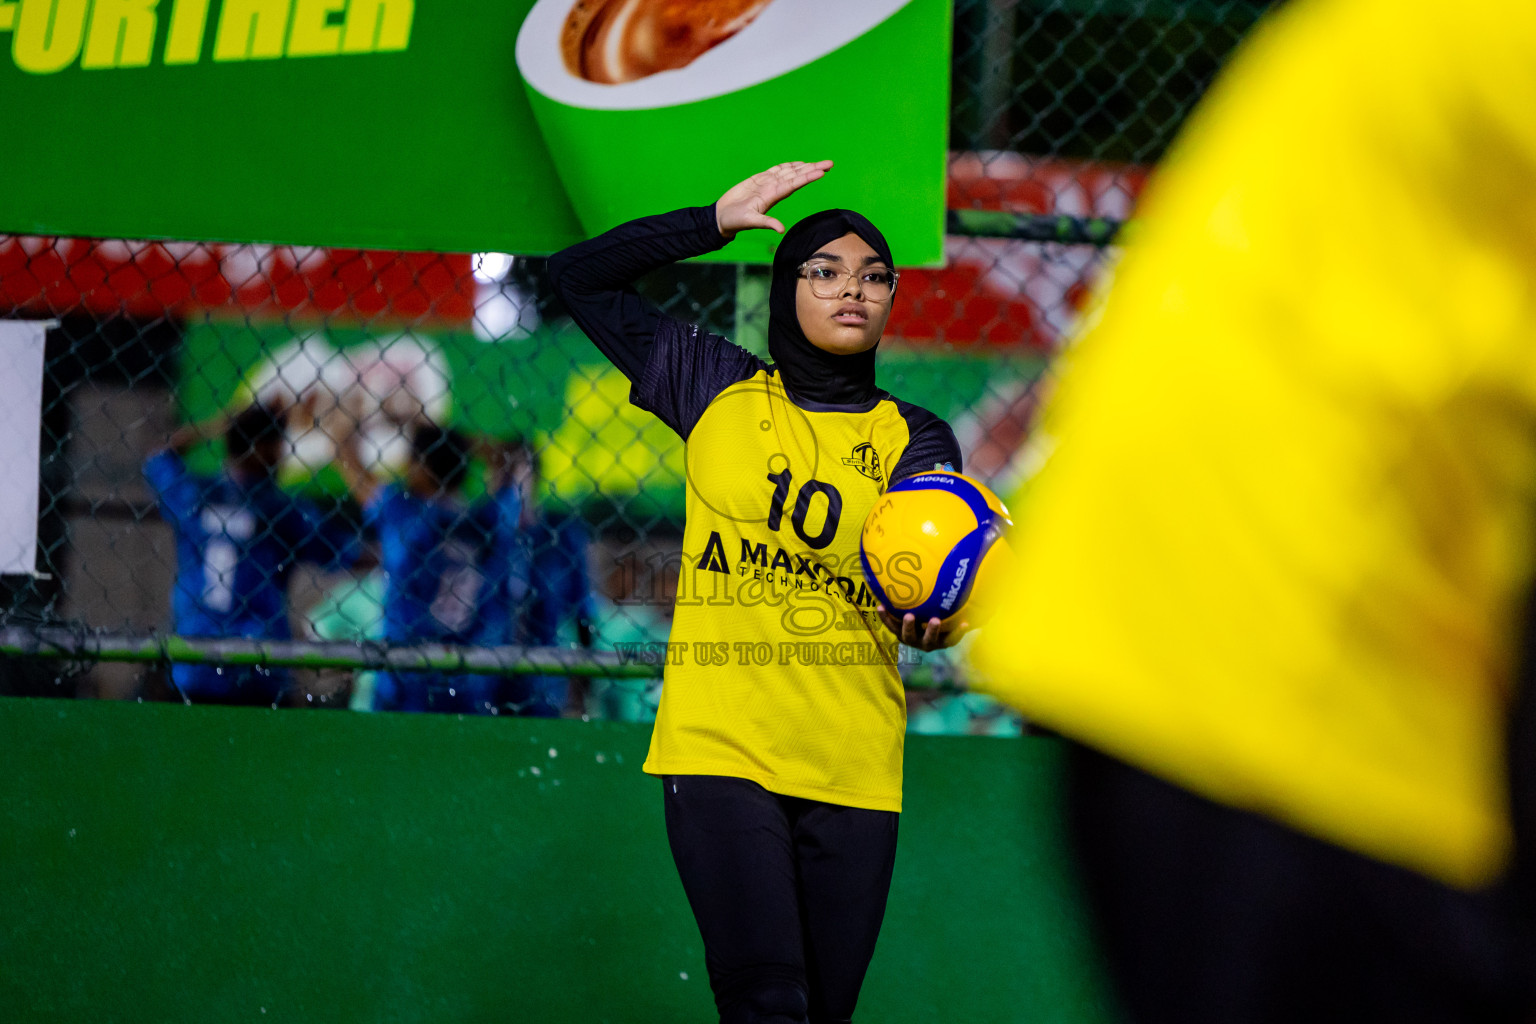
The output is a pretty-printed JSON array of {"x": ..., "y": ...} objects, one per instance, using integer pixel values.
[
  {"x": 504, "y": 311},
  {"x": 491, "y": 267}
]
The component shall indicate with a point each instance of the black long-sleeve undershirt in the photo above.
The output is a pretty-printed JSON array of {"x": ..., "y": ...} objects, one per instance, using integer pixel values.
[{"x": 595, "y": 279}]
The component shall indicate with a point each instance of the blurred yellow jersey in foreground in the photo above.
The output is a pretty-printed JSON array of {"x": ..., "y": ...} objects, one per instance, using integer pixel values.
[{"x": 1282, "y": 529}]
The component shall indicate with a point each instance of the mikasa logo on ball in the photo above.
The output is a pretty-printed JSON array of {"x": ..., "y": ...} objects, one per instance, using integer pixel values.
[{"x": 954, "y": 588}]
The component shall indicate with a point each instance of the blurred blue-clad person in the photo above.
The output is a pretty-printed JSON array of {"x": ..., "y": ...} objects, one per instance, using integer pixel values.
[
  {"x": 559, "y": 607},
  {"x": 450, "y": 566},
  {"x": 238, "y": 537}
]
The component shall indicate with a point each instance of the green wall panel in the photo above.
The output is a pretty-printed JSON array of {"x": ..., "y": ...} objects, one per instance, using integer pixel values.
[{"x": 171, "y": 863}]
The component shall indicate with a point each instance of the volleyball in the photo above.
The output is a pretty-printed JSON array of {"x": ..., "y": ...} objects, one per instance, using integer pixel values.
[{"x": 932, "y": 543}]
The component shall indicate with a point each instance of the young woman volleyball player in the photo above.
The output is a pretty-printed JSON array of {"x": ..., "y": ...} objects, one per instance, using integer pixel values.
[{"x": 779, "y": 736}]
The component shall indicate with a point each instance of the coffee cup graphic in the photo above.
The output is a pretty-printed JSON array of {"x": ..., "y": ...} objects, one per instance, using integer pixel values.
[
  {"x": 650, "y": 105},
  {"x": 617, "y": 41}
]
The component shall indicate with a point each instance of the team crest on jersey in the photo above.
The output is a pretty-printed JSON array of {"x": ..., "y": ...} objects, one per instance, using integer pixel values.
[{"x": 866, "y": 460}]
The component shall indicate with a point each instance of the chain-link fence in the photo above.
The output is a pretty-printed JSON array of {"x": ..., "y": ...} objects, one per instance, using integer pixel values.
[{"x": 1059, "y": 108}]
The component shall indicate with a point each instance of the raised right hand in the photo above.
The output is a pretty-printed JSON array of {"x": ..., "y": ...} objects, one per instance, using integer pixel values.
[{"x": 746, "y": 205}]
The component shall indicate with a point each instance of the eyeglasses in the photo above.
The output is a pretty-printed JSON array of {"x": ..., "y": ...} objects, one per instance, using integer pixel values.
[{"x": 826, "y": 279}]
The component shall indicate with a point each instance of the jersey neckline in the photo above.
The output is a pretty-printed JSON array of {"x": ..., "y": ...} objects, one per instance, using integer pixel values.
[{"x": 813, "y": 406}]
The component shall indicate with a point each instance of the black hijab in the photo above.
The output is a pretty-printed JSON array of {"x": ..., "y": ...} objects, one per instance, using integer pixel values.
[{"x": 806, "y": 370}]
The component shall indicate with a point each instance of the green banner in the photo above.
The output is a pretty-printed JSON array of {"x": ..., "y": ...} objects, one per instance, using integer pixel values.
[{"x": 461, "y": 127}]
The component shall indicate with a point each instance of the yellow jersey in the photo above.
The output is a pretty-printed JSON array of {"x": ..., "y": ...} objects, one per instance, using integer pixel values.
[
  {"x": 778, "y": 669},
  {"x": 1281, "y": 528}
]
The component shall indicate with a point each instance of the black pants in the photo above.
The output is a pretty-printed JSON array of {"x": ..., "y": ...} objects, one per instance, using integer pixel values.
[
  {"x": 1210, "y": 914},
  {"x": 788, "y": 894}
]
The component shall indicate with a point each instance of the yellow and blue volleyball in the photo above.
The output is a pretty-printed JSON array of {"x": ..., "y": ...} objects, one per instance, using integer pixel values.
[{"x": 932, "y": 543}]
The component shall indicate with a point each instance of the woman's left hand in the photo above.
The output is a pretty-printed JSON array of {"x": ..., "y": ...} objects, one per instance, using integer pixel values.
[{"x": 925, "y": 638}]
